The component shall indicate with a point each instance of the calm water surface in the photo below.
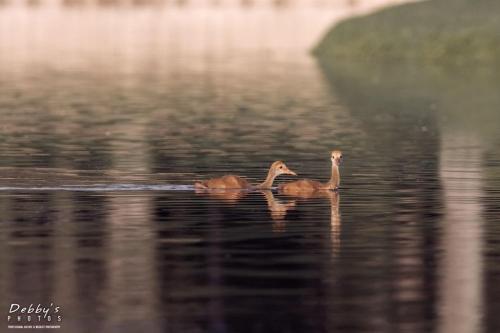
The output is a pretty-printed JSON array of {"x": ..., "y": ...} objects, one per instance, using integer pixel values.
[{"x": 99, "y": 215}]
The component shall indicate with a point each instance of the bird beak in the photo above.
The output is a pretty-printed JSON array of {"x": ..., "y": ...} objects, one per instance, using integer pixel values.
[{"x": 290, "y": 172}]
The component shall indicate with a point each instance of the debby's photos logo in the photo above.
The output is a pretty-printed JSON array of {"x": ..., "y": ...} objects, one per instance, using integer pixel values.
[{"x": 34, "y": 314}]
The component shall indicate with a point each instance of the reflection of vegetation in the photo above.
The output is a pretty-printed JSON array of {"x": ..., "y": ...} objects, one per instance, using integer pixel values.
[
  {"x": 445, "y": 31},
  {"x": 416, "y": 101},
  {"x": 406, "y": 111}
]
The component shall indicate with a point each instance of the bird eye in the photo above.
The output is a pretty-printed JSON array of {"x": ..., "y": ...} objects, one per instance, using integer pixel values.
[{"x": 281, "y": 167}]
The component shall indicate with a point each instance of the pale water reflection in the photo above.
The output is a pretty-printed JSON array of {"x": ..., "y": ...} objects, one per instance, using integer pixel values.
[
  {"x": 461, "y": 305},
  {"x": 99, "y": 156}
]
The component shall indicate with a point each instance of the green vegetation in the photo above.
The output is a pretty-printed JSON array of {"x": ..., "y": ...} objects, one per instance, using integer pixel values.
[{"x": 455, "y": 32}]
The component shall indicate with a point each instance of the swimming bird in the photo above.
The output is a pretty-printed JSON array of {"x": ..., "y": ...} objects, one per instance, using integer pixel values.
[
  {"x": 232, "y": 181},
  {"x": 311, "y": 185}
]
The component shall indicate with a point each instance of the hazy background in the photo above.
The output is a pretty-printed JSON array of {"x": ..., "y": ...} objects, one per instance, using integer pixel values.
[{"x": 110, "y": 110}]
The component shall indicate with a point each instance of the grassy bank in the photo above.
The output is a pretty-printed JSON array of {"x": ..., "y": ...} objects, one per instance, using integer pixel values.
[{"x": 435, "y": 31}]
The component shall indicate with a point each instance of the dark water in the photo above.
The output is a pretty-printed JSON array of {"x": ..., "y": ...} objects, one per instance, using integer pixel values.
[{"x": 99, "y": 215}]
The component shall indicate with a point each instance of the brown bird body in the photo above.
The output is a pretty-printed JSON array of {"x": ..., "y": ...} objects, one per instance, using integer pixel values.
[
  {"x": 232, "y": 181},
  {"x": 312, "y": 185}
]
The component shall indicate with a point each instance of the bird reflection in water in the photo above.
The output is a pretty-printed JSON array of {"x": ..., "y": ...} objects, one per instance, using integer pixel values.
[
  {"x": 279, "y": 208},
  {"x": 334, "y": 198},
  {"x": 229, "y": 196}
]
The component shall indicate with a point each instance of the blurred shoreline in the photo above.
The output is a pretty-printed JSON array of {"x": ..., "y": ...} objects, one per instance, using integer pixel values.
[
  {"x": 445, "y": 33},
  {"x": 89, "y": 35}
]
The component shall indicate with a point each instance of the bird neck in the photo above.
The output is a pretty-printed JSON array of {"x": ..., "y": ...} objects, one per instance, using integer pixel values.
[
  {"x": 269, "y": 180},
  {"x": 335, "y": 180}
]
